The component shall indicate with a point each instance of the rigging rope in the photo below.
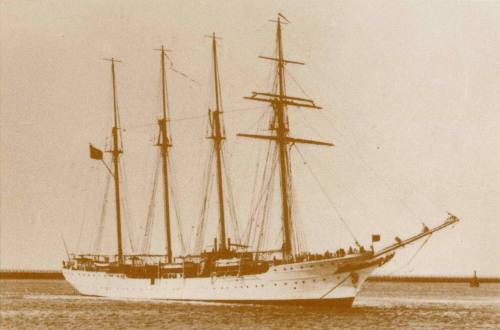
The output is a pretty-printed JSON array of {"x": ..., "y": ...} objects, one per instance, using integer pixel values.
[
  {"x": 84, "y": 209},
  {"x": 146, "y": 241},
  {"x": 100, "y": 228},
  {"x": 289, "y": 73},
  {"x": 296, "y": 242},
  {"x": 327, "y": 169},
  {"x": 296, "y": 223},
  {"x": 262, "y": 207},
  {"x": 266, "y": 211},
  {"x": 413, "y": 257},
  {"x": 323, "y": 190},
  {"x": 171, "y": 63},
  {"x": 232, "y": 208},
  {"x": 364, "y": 163},
  {"x": 127, "y": 215},
  {"x": 200, "y": 232},
  {"x": 176, "y": 209},
  {"x": 255, "y": 185},
  {"x": 176, "y": 119},
  {"x": 375, "y": 174}
]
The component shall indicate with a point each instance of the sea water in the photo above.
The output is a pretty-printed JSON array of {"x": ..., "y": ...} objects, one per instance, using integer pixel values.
[{"x": 27, "y": 304}]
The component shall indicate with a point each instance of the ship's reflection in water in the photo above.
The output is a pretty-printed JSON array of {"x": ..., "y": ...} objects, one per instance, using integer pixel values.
[{"x": 54, "y": 304}]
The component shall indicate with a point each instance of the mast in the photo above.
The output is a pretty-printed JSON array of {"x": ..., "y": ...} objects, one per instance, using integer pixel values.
[
  {"x": 217, "y": 138},
  {"x": 279, "y": 102},
  {"x": 281, "y": 134},
  {"x": 116, "y": 151},
  {"x": 164, "y": 144}
]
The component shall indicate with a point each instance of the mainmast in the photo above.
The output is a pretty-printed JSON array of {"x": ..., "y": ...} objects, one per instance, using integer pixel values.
[
  {"x": 164, "y": 144},
  {"x": 217, "y": 137},
  {"x": 116, "y": 151},
  {"x": 279, "y": 102}
]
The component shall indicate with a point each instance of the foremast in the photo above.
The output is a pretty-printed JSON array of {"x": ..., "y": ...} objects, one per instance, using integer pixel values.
[
  {"x": 164, "y": 144},
  {"x": 217, "y": 137},
  {"x": 279, "y": 101}
]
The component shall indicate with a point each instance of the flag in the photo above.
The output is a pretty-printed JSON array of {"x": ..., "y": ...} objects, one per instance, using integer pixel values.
[
  {"x": 95, "y": 153},
  {"x": 375, "y": 238}
]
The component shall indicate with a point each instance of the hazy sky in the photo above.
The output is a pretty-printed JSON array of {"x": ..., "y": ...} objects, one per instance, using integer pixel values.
[{"x": 411, "y": 98}]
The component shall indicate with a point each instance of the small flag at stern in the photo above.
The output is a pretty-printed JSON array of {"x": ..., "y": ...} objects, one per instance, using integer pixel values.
[
  {"x": 95, "y": 153},
  {"x": 375, "y": 238}
]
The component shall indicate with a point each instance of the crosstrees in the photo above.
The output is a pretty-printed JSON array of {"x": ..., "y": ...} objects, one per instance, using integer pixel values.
[
  {"x": 284, "y": 61},
  {"x": 288, "y": 139},
  {"x": 285, "y": 99}
]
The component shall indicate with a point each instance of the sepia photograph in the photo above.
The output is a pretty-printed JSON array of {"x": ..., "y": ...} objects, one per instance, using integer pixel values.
[{"x": 169, "y": 164}]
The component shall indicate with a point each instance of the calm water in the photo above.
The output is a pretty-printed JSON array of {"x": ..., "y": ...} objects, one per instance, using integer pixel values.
[{"x": 54, "y": 304}]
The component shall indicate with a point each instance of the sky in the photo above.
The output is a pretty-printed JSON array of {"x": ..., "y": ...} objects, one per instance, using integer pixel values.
[{"x": 410, "y": 96}]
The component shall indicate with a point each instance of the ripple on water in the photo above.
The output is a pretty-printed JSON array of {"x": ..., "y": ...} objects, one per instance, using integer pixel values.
[{"x": 53, "y": 304}]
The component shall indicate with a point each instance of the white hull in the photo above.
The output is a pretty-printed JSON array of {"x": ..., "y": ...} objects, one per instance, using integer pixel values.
[{"x": 314, "y": 281}]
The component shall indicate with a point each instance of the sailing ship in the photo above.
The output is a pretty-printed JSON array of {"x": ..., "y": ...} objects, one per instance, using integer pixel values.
[{"x": 231, "y": 271}]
